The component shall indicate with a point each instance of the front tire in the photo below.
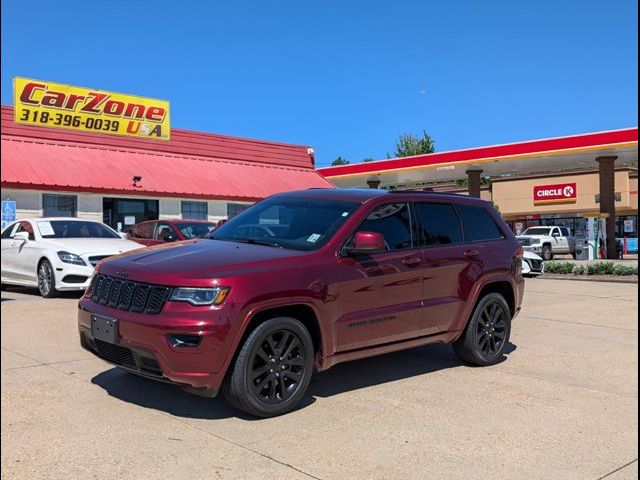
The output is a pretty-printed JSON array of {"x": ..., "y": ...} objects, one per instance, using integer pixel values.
[
  {"x": 46, "y": 280},
  {"x": 547, "y": 253},
  {"x": 487, "y": 334},
  {"x": 272, "y": 370}
]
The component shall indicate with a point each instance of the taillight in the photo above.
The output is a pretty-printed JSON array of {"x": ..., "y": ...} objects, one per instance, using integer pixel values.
[{"x": 519, "y": 251}]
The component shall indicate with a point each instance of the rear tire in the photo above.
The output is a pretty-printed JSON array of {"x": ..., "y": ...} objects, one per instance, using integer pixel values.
[
  {"x": 272, "y": 370},
  {"x": 46, "y": 280},
  {"x": 487, "y": 334},
  {"x": 547, "y": 253}
]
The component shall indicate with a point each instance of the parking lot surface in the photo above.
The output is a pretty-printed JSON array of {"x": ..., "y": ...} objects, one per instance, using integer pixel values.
[{"x": 562, "y": 405}]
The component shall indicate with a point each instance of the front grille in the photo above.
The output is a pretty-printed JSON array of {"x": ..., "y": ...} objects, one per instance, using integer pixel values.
[
  {"x": 525, "y": 242},
  {"x": 535, "y": 264},
  {"x": 115, "y": 354},
  {"x": 126, "y": 295},
  {"x": 94, "y": 260}
]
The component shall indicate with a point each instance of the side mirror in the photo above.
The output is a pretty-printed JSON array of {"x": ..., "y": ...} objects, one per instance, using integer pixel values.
[
  {"x": 366, "y": 243},
  {"x": 555, "y": 234},
  {"x": 124, "y": 235},
  {"x": 169, "y": 237},
  {"x": 24, "y": 236}
]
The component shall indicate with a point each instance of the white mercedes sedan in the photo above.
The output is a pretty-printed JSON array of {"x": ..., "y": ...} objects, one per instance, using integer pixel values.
[{"x": 57, "y": 254}]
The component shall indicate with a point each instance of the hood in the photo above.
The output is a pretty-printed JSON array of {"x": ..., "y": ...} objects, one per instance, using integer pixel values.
[
  {"x": 531, "y": 255},
  {"x": 197, "y": 262},
  {"x": 88, "y": 246}
]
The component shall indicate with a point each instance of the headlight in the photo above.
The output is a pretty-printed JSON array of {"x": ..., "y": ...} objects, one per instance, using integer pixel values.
[
  {"x": 200, "y": 296},
  {"x": 67, "y": 257}
]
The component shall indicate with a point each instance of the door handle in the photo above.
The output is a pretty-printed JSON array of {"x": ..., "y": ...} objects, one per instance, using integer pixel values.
[
  {"x": 471, "y": 253},
  {"x": 412, "y": 261}
]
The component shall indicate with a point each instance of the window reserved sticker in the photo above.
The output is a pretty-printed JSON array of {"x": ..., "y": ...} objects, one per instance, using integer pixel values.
[
  {"x": 45, "y": 229},
  {"x": 313, "y": 238}
]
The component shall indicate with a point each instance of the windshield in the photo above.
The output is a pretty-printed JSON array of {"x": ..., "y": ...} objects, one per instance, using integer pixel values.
[
  {"x": 74, "y": 229},
  {"x": 195, "y": 229},
  {"x": 290, "y": 222},
  {"x": 537, "y": 231}
]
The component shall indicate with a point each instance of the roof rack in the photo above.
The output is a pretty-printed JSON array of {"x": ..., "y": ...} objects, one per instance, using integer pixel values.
[{"x": 429, "y": 192}]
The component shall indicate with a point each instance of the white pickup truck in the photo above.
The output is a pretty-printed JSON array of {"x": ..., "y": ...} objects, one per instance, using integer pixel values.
[{"x": 548, "y": 241}]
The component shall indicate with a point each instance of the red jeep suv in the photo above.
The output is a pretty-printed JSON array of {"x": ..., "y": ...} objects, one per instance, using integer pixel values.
[{"x": 302, "y": 281}]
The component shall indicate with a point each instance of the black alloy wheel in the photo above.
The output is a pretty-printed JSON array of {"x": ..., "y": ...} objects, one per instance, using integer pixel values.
[
  {"x": 272, "y": 370},
  {"x": 486, "y": 336},
  {"x": 491, "y": 329},
  {"x": 278, "y": 366}
]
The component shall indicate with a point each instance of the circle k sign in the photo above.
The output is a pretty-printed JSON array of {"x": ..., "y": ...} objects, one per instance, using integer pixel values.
[{"x": 558, "y": 193}]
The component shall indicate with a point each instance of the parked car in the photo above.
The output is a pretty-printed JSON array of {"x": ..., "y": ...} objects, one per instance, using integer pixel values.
[
  {"x": 156, "y": 232},
  {"x": 57, "y": 254},
  {"x": 334, "y": 275},
  {"x": 548, "y": 241},
  {"x": 532, "y": 264}
]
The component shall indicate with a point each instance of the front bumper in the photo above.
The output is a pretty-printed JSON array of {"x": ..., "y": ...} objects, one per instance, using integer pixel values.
[
  {"x": 72, "y": 277},
  {"x": 143, "y": 347},
  {"x": 533, "y": 248},
  {"x": 532, "y": 267}
]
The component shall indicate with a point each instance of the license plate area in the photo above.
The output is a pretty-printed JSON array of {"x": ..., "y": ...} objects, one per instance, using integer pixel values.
[{"x": 104, "y": 328}]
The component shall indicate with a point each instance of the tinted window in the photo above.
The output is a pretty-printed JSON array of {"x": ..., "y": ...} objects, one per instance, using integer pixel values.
[
  {"x": 393, "y": 222},
  {"x": 163, "y": 230},
  {"x": 565, "y": 232},
  {"x": 478, "y": 224},
  {"x": 7, "y": 232},
  {"x": 537, "y": 231},
  {"x": 74, "y": 229},
  {"x": 439, "y": 224},
  {"x": 59, "y": 205},
  {"x": 195, "y": 230},
  {"x": 298, "y": 223}
]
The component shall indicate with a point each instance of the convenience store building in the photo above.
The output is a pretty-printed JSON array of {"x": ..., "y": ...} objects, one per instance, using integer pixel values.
[{"x": 557, "y": 181}]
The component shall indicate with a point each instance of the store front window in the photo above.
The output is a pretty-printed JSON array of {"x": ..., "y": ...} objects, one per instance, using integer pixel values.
[
  {"x": 59, "y": 205},
  {"x": 234, "y": 209},
  {"x": 122, "y": 213},
  {"x": 194, "y": 210}
]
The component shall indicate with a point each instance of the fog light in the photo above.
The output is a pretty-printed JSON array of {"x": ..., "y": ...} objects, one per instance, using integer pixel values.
[{"x": 184, "y": 341}]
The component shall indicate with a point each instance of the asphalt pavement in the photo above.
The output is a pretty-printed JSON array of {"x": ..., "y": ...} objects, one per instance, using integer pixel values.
[{"x": 562, "y": 405}]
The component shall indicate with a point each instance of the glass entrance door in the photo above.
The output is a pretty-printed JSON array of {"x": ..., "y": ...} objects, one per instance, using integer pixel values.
[{"x": 122, "y": 213}]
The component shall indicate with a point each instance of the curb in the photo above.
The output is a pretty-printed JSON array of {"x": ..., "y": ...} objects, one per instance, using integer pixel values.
[{"x": 590, "y": 278}]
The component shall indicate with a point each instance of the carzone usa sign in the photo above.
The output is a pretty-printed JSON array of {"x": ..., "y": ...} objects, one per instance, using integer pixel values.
[
  {"x": 558, "y": 193},
  {"x": 48, "y": 104}
]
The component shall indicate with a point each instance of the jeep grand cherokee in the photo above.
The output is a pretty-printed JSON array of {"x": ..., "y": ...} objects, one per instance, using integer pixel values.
[{"x": 302, "y": 281}]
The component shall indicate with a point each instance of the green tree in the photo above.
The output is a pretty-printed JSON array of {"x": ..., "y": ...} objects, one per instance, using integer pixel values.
[
  {"x": 340, "y": 161},
  {"x": 409, "y": 144},
  {"x": 368, "y": 159}
]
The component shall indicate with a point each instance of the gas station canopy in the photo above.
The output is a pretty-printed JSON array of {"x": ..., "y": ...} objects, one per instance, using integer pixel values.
[{"x": 507, "y": 160}]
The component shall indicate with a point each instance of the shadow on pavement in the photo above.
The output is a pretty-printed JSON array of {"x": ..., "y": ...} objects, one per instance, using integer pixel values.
[
  {"x": 339, "y": 379},
  {"x": 34, "y": 293}
]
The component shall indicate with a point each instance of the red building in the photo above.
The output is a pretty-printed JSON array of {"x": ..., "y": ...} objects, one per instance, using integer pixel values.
[{"x": 120, "y": 180}]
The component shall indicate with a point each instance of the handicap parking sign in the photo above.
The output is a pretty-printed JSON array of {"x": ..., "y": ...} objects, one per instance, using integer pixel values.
[{"x": 8, "y": 212}]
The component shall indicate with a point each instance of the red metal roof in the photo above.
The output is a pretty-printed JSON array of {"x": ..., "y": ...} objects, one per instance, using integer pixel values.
[
  {"x": 191, "y": 164},
  {"x": 560, "y": 145}
]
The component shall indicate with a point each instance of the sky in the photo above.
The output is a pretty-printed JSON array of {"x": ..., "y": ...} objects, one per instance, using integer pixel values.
[{"x": 346, "y": 77}]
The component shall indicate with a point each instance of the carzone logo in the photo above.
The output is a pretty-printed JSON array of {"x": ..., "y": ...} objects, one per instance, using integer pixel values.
[{"x": 559, "y": 193}]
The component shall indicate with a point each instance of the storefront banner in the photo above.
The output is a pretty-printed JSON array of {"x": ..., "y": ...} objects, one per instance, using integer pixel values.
[
  {"x": 558, "y": 193},
  {"x": 48, "y": 104}
]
